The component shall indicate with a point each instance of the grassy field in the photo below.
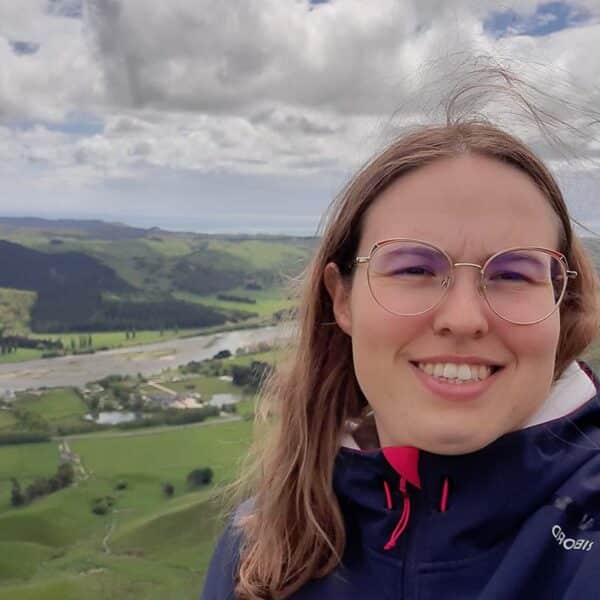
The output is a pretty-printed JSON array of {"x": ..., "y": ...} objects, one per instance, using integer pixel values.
[
  {"x": 117, "y": 339},
  {"x": 158, "y": 547},
  {"x": 266, "y": 303},
  {"x": 7, "y": 420},
  {"x": 100, "y": 340},
  {"x": 271, "y": 357},
  {"x": 15, "y": 308},
  {"x": 20, "y": 355},
  {"x": 25, "y": 462},
  {"x": 57, "y": 404}
]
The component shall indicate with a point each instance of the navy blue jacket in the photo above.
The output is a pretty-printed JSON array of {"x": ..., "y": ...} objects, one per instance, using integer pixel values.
[{"x": 518, "y": 519}]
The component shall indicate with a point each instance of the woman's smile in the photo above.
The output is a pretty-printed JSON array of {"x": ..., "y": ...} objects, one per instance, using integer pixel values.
[{"x": 455, "y": 380}]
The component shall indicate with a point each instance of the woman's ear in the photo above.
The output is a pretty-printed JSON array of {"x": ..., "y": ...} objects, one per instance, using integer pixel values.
[{"x": 339, "y": 293}]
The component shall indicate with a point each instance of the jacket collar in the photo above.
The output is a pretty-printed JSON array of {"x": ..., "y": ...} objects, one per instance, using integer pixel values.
[{"x": 489, "y": 491}]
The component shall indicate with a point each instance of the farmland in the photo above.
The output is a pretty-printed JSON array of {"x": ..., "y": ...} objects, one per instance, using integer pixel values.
[{"x": 158, "y": 547}]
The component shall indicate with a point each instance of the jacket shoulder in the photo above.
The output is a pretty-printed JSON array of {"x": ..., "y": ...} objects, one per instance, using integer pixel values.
[{"x": 222, "y": 570}]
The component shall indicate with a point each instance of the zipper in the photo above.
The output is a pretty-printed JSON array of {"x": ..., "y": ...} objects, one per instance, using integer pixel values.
[{"x": 409, "y": 579}]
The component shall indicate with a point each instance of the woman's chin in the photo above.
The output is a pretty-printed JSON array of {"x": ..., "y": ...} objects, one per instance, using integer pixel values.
[{"x": 454, "y": 442}]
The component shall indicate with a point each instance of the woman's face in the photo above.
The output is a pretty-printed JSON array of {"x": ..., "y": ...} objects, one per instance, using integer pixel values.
[{"x": 471, "y": 207}]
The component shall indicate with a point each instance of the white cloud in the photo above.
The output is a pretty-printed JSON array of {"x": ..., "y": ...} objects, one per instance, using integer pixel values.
[{"x": 263, "y": 87}]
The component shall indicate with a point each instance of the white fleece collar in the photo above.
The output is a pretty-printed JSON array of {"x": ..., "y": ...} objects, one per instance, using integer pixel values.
[{"x": 570, "y": 391}]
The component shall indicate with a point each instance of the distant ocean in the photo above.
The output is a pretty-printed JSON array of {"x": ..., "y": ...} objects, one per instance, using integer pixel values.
[{"x": 300, "y": 225}]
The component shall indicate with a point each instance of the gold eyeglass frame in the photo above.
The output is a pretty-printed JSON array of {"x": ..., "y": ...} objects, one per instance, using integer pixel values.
[{"x": 447, "y": 282}]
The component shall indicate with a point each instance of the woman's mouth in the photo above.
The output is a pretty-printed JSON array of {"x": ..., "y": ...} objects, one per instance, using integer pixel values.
[
  {"x": 457, "y": 373},
  {"x": 455, "y": 380}
]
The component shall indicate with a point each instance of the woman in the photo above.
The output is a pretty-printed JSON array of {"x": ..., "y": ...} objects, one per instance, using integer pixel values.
[{"x": 432, "y": 435}]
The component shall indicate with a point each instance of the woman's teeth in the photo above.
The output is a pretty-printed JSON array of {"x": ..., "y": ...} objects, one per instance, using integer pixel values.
[{"x": 456, "y": 373}]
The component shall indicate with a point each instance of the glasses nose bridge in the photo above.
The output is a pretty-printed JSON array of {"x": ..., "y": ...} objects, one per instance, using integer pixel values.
[{"x": 479, "y": 268}]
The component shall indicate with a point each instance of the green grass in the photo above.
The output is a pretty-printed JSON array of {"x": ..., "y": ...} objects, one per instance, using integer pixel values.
[
  {"x": 160, "y": 547},
  {"x": 271, "y": 357},
  {"x": 169, "y": 246},
  {"x": 57, "y": 404},
  {"x": 19, "y": 560},
  {"x": 15, "y": 308},
  {"x": 267, "y": 301},
  {"x": 20, "y": 355},
  {"x": 168, "y": 456},
  {"x": 7, "y": 420},
  {"x": 246, "y": 407},
  {"x": 117, "y": 339},
  {"x": 25, "y": 461},
  {"x": 261, "y": 254}
]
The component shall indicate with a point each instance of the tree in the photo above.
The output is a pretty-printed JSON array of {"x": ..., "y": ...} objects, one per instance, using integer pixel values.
[
  {"x": 168, "y": 489},
  {"x": 251, "y": 376},
  {"x": 17, "y": 498},
  {"x": 65, "y": 474},
  {"x": 103, "y": 505},
  {"x": 199, "y": 477},
  {"x": 39, "y": 487}
]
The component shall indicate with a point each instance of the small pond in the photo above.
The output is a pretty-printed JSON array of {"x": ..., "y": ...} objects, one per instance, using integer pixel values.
[
  {"x": 112, "y": 417},
  {"x": 221, "y": 400}
]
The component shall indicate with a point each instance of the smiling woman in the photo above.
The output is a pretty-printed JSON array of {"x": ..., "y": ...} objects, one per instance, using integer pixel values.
[{"x": 433, "y": 430}]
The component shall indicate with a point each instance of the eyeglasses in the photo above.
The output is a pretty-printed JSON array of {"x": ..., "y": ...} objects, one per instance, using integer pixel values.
[{"x": 409, "y": 277}]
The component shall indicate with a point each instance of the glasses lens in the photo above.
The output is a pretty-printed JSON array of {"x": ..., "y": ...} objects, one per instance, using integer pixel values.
[
  {"x": 408, "y": 278},
  {"x": 524, "y": 286}
]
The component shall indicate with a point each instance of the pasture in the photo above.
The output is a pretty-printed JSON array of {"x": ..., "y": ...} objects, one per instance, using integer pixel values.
[{"x": 150, "y": 546}]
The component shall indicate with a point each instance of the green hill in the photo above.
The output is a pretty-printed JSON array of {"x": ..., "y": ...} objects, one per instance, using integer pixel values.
[
  {"x": 149, "y": 547},
  {"x": 96, "y": 276}
]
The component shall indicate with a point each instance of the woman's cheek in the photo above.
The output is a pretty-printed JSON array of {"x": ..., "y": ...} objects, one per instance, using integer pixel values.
[{"x": 535, "y": 343}]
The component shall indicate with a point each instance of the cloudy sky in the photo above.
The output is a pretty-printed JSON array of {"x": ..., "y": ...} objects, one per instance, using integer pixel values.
[{"x": 249, "y": 115}]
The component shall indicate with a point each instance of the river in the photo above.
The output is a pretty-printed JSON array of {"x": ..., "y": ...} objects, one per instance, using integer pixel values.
[{"x": 148, "y": 359}]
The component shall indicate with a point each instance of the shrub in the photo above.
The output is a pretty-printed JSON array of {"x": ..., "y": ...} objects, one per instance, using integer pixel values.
[
  {"x": 103, "y": 505},
  {"x": 250, "y": 376},
  {"x": 23, "y": 437},
  {"x": 199, "y": 477},
  {"x": 168, "y": 489},
  {"x": 65, "y": 475},
  {"x": 39, "y": 487},
  {"x": 17, "y": 498},
  {"x": 121, "y": 485}
]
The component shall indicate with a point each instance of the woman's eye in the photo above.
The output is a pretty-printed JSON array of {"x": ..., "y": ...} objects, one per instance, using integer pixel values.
[
  {"x": 509, "y": 276},
  {"x": 412, "y": 271}
]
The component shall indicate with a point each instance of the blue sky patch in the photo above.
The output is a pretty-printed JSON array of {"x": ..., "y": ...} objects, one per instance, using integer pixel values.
[
  {"x": 72, "y": 9},
  {"x": 548, "y": 18},
  {"x": 22, "y": 47},
  {"x": 79, "y": 125}
]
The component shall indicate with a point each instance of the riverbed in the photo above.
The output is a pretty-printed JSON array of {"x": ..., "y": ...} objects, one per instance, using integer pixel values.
[{"x": 148, "y": 359}]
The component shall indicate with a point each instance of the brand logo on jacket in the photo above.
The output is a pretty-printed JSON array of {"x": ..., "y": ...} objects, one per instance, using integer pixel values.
[{"x": 570, "y": 543}]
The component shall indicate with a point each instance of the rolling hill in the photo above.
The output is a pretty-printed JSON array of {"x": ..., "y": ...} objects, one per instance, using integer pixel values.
[{"x": 96, "y": 276}]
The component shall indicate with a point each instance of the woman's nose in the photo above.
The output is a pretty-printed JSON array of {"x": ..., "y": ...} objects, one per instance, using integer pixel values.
[{"x": 463, "y": 311}]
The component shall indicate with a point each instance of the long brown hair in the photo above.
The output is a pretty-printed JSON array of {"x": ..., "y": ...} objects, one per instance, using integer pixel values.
[{"x": 294, "y": 529}]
